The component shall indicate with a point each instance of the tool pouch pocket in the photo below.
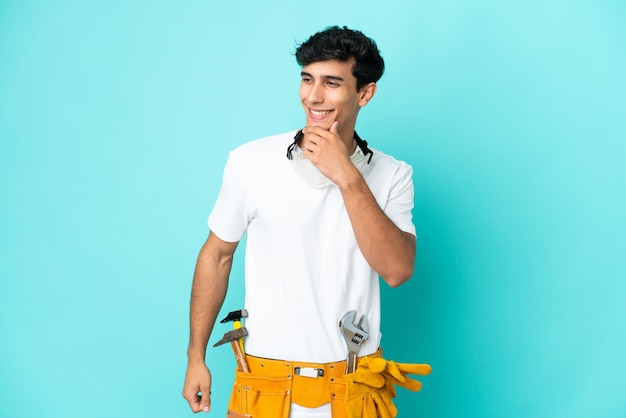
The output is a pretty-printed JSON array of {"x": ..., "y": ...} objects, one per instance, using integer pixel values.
[
  {"x": 260, "y": 396},
  {"x": 338, "y": 398},
  {"x": 361, "y": 401}
]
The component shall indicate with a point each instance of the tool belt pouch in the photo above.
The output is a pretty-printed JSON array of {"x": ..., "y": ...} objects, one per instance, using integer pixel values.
[
  {"x": 272, "y": 385},
  {"x": 258, "y": 396},
  {"x": 370, "y": 389},
  {"x": 356, "y": 400}
]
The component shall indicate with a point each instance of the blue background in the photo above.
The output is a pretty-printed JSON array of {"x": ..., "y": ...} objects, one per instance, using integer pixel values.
[{"x": 115, "y": 121}]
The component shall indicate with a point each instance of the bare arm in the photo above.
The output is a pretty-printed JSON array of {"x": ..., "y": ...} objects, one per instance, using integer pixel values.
[
  {"x": 389, "y": 250},
  {"x": 210, "y": 283}
]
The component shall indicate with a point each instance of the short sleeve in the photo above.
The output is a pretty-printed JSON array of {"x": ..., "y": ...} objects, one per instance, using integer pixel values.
[
  {"x": 230, "y": 215},
  {"x": 400, "y": 200}
]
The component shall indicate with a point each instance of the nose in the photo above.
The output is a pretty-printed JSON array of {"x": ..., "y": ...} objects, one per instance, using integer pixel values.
[{"x": 314, "y": 95}]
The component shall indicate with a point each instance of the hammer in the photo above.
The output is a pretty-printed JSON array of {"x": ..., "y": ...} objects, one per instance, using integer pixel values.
[
  {"x": 232, "y": 337},
  {"x": 236, "y": 317}
]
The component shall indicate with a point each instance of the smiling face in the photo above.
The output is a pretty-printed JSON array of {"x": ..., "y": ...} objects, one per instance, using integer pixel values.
[{"x": 328, "y": 93}]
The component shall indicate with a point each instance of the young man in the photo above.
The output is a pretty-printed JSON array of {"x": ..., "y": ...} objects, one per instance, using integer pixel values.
[{"x": 323, "y": 223}]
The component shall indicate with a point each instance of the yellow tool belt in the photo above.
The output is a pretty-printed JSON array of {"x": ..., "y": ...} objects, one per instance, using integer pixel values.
[{"x": 272, "y": 385}]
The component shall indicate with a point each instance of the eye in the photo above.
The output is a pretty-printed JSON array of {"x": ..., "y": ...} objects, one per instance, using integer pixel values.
[
  {"x": 307, "y": 80},
  {"x": 332, "y": 84}
]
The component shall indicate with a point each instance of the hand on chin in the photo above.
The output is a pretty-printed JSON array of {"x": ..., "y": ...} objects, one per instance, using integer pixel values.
[{"x": 325, "y": 124}]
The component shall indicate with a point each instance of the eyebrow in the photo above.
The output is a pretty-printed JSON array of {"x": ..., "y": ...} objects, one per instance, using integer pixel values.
[{"x": 325, "y": 77}]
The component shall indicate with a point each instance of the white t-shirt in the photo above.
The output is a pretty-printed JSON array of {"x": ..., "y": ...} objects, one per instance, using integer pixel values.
[{"x": 303, "y": 267}]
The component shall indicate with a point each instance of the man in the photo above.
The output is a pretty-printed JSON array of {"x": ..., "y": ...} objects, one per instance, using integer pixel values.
[{"x": 323, "y": 223}]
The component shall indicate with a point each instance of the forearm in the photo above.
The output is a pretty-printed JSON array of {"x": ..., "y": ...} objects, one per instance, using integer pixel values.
[
  {"x": 389, "y": 250},
  {"x": 209, "y": 288}
]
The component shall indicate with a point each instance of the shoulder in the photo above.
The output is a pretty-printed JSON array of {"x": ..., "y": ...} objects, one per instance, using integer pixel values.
[{"x": 389, "y": 164}]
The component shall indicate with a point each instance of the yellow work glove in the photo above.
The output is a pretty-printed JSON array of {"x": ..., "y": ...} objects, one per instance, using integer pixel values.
[{"x": 370, "y": 388}]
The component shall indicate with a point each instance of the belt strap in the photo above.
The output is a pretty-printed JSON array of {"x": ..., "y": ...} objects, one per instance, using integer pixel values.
[
  {"x": 285, "y": 368},
  {"x": 311, "y": 384}
]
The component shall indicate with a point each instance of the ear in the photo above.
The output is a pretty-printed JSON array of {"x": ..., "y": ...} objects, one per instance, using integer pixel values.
[{"x": 366, "y": 93}]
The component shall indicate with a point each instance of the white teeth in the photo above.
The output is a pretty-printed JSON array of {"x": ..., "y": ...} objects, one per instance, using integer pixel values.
[{"x": 320, "y": 112}]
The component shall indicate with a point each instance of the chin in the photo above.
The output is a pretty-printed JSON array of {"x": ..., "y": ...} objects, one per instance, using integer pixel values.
[{"x": 319, "y": 123}]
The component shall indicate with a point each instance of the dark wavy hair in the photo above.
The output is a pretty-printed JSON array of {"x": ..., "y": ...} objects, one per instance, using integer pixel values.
[{"x": 342, "y": 44}]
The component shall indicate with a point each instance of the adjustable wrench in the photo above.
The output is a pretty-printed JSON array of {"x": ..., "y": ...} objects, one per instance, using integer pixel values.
[{"x": 354, "y": 334}]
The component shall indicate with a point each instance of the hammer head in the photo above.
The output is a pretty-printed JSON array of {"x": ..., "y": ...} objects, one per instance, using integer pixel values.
[
  {"x": 235, "y": 316},
  {"x": 233, "y": 335}
]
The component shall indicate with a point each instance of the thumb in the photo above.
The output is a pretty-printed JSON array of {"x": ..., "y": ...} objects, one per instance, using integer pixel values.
[{"x": 334, "y": 127}]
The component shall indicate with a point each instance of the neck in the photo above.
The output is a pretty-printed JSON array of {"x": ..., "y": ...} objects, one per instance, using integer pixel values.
[{"x": 348, "y": 139}]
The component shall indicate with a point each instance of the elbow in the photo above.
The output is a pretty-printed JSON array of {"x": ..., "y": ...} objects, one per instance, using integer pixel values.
[
  {"x": 399, "y": 277},
  {"x": 398, "y": 267}
]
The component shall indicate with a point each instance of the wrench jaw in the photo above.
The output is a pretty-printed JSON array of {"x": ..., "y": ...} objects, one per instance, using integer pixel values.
[{"x": 354, "y": 333}]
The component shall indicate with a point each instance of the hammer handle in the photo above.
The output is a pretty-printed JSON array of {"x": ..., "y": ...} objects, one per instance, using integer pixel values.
[
  {"x": 237, "y": 325},
  {"x": 241, "y": 360}
]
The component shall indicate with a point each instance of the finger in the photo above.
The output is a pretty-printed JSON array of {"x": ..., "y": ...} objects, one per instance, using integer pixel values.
[
  {"x": 314, "y": 131},
  {"x": 308, "y": 144},
  {"x": 311, "y": 140},
  {"x": 320, "y": 131},
  {"x": 385, "y": 410},
  {"x": 204, "y": 400},
  {"x": 193, "y": 400},
  {"x": 408, "y": 383},
  {"x": 386, "y": 399},
  {"x": 368, "y": 378},
  {"x": 376, "y": 365},
  {"x": 369, "y": 407},
  {"x": 392, "y": 369},
  {"x": 408, "y": 368},
  {"x": 305, "y": 147}
]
